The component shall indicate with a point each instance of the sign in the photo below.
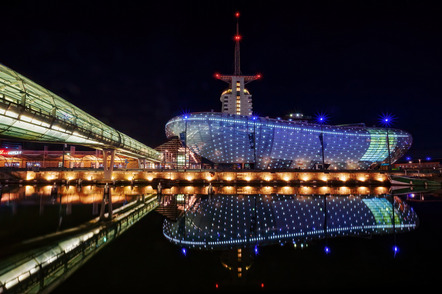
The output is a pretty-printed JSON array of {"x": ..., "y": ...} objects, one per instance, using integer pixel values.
[{"x": 10, "y": 152}]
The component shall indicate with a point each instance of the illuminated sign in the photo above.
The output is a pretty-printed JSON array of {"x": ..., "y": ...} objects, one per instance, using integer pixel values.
[{"x": 10, "y": 152}]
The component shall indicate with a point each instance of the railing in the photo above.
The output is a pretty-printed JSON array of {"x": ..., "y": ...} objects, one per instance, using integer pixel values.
[{"x": 31, "y": 112}]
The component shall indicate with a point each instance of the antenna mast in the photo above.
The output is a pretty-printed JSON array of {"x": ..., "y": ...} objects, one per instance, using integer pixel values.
[{"x": 237, "y": 38}]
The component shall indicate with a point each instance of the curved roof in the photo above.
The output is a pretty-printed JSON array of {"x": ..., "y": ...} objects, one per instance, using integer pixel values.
[{"x": 30, "y": 112}]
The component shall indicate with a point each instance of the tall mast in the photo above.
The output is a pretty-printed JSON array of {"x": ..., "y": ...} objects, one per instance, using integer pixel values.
[
  {"x": 237, "y": 70},
  {"x": 237, "y": 52},
  {"x": 237, "y": 100}
]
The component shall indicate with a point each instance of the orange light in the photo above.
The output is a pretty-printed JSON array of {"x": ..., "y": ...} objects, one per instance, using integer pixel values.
[
  {"x": 237, "y": 14},
  {"x": 262, "y": 285}
]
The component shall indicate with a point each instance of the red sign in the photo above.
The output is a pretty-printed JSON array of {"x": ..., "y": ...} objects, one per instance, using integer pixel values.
[{"x": 9, "y": 152}]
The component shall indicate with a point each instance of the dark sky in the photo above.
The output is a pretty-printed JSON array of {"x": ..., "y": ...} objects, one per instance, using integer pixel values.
[{"x": 136, "y": 66}]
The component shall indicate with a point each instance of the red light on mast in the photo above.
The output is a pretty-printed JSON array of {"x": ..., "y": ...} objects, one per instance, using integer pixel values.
[
  {"x": 258, "y": 76},
  {"x": 217, "y": 75},
  {"x": 237, "y": 38},
  {"x": 237, "y": 14}
]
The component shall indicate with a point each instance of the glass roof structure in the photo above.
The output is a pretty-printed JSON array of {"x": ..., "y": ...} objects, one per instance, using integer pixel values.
[
  {"x": 274, "y": 143},
  {"x": 32, "y": 113}
]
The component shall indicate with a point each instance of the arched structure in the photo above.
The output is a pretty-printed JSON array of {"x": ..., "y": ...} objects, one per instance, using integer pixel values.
[{"x": 32, "y": 113}]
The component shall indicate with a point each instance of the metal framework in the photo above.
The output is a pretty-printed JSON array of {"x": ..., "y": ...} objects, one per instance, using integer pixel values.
[
  {"x": 274, "y": 143},
  {"x": 30, "y": 112}
]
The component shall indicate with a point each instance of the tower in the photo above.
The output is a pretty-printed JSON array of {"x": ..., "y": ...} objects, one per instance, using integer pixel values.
[{"x": 237, "y": 99}]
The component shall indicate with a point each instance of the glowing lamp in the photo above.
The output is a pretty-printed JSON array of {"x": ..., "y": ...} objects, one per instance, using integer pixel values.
[
  {"x": 321, "y": 118},
  {"x": 237, "y": 14},
  {"x": 184, "y": 251},
  {"x": 387, "y": 119},
  {"x": 256, "y": 249},
  {"x": 237, "y": 37},
  {"x": 258, "y": 76},
  {"x": 217, "y": 75},
  {"x": 395, "y": 250},
  {"x": 428, "y": 158},
  {"x": 326, "y": 250}
]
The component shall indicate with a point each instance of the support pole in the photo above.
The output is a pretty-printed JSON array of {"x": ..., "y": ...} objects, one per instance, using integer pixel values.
[
  {"x": 106, "y": 196},
  {"x": 108, "y": 169}
]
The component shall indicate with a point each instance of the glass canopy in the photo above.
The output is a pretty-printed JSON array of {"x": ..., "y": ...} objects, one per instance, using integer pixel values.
[{"x": 31, "y": 112}]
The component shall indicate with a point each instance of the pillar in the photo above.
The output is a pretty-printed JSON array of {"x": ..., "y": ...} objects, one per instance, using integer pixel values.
[{"x": 108, "y": 154}]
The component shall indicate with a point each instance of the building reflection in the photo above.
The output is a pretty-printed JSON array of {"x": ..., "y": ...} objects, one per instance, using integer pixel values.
[
  {"x": 230, "y": 221},
  {"x": 237, "y": 225},
  {"x": 73, "y": 194}
]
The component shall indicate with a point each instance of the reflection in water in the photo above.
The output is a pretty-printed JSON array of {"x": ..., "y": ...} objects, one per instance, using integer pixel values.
[
  {"x": 69, "y": 194},
  {"x": 238, "y": 225},
  {"x": 33, "y": 210},
  {"x": 286, "y": 190},
  {"x": 230, "y": 221}
]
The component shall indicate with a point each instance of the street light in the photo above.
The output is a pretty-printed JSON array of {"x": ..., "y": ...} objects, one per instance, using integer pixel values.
[
  {"x": 386, "y": 121},
  {"x": 321, "y": 119}
]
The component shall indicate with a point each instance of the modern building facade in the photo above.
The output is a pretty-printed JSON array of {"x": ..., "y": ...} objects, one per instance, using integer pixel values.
[
  {"x": 272, "y": 143},
  {"x": 175, "y": 155},
  {"x": 235, "y": 136},
  {"x": 70, "y": 158},
  {"x": 29, "y": 112}
]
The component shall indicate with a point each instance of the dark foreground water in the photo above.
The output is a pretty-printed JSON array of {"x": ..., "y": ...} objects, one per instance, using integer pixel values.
[
  {"x": 144, "y": 261},
  {"x": 196, "y": 256}
]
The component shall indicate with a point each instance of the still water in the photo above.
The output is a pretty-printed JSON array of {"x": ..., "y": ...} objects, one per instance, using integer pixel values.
[{"x": 247, "y": 239}]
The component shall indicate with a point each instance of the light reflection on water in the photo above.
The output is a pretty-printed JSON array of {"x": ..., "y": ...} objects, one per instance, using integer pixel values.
[
  {"x": 68, "y": 193},
  {"x": 230, "y": 221},
  {"x": 238, "y": 226},
  {"x": 29, "y": 211}
]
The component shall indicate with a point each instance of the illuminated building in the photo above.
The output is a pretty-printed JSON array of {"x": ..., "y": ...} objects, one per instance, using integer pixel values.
[
  {"x": 225, "y": 138},
  {"x": 71, "y": 158},
  {"x": 174, "y": 155},
  {"x": 234, "y": 136},
  {"x": 237, "y": 99},
  {"x": 227, "y": 221},
  {"x": 29, "y": 112}
]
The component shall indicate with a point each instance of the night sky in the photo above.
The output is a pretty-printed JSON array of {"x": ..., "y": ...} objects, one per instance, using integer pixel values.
[{"x": 136, "y": 66}]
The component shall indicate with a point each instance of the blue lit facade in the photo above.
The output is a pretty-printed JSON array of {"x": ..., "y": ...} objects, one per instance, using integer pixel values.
[
  {"x": 227, "y": 221},
  {"x": 228, "y": 138}
]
